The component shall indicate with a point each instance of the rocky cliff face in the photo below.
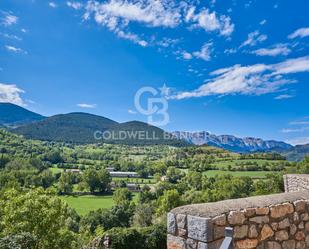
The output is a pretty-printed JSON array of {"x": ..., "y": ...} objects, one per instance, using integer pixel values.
[{"x": 229, "y": 142}]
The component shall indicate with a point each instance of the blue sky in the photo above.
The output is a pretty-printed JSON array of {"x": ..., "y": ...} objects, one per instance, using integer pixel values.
[{"x": 232, "y": 67}]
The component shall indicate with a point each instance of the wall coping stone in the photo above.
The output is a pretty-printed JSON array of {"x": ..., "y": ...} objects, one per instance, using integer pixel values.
[{"x": 211, "y": 210}]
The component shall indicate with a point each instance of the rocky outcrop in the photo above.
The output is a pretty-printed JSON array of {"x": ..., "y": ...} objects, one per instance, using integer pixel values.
[
  {"x": 278, "y": 221},
  {"x": 232, "y": 143}
]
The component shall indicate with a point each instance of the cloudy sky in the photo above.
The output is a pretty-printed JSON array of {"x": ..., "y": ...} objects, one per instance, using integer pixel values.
[{"x": 232, "y": 67}]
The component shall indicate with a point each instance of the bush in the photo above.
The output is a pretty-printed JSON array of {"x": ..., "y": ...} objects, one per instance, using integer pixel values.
[{"x": 153, "y": 237}]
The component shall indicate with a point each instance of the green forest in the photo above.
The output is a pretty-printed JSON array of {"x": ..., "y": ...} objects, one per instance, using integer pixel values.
[{"x": 63, "y": 195}]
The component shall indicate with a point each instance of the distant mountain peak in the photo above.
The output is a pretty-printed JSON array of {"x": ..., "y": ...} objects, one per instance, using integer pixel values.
[{"x": 230, "y": 142}]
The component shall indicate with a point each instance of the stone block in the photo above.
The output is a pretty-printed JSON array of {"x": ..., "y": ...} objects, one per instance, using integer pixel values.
[
  {"x": 282, "y": 235},
  {"x": 266, "y": 232},
  {"x": 300, "y": 245},
  {"x": 304, "y": 217},
  {"x": 301, "y": 225},
  {"x": 220, "y": 220},
  {"x": 260, "y": 219},
  {"x": 182, "y": 232},
  {"x": 300, "y": 206},
  {"x": 284, "y": 224},
  {"x": 246, "y": 244},
  {"x": 253, "y": 233},
  {"x": 211, "y": 245},
  {"x": 293, "y": 229},
  {"x": 219, "y": 232},
  {"x": 249, "y": 212},
  {"x": 236, "y": 218},
  {"x": 199, "y": 228},
  {"x": 281, "y": 210},
  {"x": 181, "y": 221},
  {"x": 174, "y": 242},
  {"x": 171, "y": 223},
  {"x": 300, "y": 236},
  {"x": 240, "y": 232},
  {"x": 262, "y": 211},
  {"x": 191, "y": 244},
  {"x": 289, "y": 244},
  {"x": 273, "y": 245}
]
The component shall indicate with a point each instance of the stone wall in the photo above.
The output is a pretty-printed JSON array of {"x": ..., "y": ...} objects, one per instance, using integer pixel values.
[
  {"x": 278, "y": 221},
  {"x": 296, "y": 182}
]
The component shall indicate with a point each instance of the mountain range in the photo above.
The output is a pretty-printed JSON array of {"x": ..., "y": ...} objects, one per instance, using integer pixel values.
[
  {"x": 82, "y": 127},
  {"x": 232, "y": 143}
]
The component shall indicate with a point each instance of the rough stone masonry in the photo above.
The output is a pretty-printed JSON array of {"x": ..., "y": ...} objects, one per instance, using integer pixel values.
[
  {"x": 296, "y": 182},
  {"x": 279, "y": 221}
]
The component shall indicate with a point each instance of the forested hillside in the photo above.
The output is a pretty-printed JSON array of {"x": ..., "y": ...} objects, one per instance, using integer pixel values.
[{"x": 13, "y": 115}]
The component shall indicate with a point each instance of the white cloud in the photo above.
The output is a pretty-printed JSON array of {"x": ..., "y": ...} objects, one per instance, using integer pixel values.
[
  {"x": 254, "y": 38},
  {"x": 83, "y": 105},
  {"x": 24, "y": 30},
  {"x": 263, "y": 22},
  {"x": 205, "y": 52},
  {"x": 230, "y": 51},
  {"x": 284, "y": 96},
  {"x": 8, "y": 19},
  {"x": 210, "y": 21},
  {"x": 120, "y": 12},
  {"x": 301, "y": 129},
  {"x": 14, "y": 49},
  {"x": 11, "y": 94},
  {"x": 187, "y": 55},
  {"x": 255, "y": 79},
  {"x": 298, "y": 141},
  {"x": 117, "y": 15},
  {"x": 278, "y": 49},
  {"x": 297, "y": 65},
  {"x": 52, "y": 5},
  {"x": 75, "y": 5},
  {"x": 132, "y": 37},
  {"x": 12, "y": 37},
  {"x": 131, "y": 111},
  {"x": 302, "y": 32},
  {"x": 167, "y": 42}
]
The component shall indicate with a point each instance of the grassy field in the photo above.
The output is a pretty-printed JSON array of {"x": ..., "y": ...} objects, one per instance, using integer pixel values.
[
  {"x": 252, "y": 174},
  {"x": 86, "y": 203},
  {"x": 223, "y": 164},
  {"x": 55, "y": 170}
]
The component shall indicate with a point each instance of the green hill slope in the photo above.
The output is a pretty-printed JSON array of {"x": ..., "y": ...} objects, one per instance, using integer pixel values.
[
  {"x": 297, "y": 153},
  {"x": 86, "y": 128},
  {"x": 72, "y": 127},
  {"x": 14, "y": 115}
]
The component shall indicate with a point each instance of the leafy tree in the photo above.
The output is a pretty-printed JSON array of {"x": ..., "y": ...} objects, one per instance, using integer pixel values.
[
  {"x": 97, "y": 180},
  {"x": 174, "y": 175},
  {"x": 117, "y": 216},
  {"x": 39, "y": 213},
  {"x": 54, "y": 157},
  {"x": 18, "y": 241},
  {"x": 122, "y": 196},
  {"x": 143, "y": 215},
  {"x": 65, "y": 183},
  {"x": 169, "y": 200},
  {"x": 3, "y": 161}
]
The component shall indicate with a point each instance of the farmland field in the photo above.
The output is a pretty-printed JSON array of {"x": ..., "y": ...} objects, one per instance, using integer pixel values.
[
  {"x": 252, "y": 174},
  {"x": 86, "y": 203}
]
